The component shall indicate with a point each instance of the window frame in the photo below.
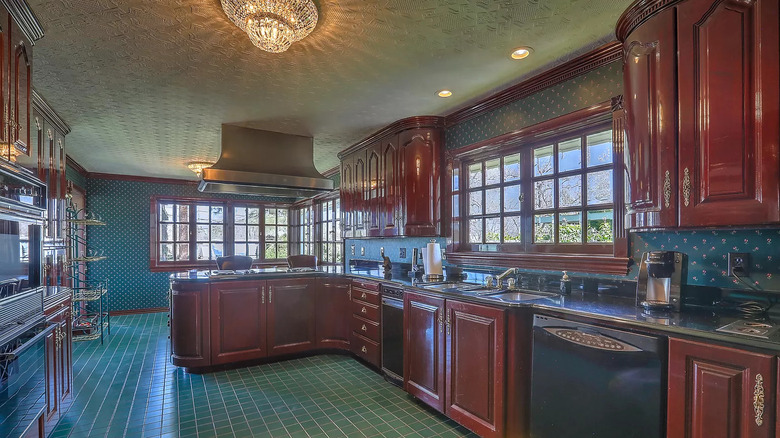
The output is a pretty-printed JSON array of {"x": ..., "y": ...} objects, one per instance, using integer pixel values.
[
  {"x": 584, "y": 257},
  {"x": 316, "y": 226},
  {"x": 228, "y": 241}
]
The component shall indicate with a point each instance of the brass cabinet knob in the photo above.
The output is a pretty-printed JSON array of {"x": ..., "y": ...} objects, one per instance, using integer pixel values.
[
  {"x": 363, "y": 310},
  {"x": 363, "y": 328},
  {"x": 364, "y": 349}
]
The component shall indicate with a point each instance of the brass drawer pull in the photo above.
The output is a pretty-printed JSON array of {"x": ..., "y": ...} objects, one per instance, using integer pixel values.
[
  {"x": 364, "y": 349},
  {"x": 441, "y": 323},
  {"x": 363, "y": 295},
  {"x": 363, "y": 310},
  {"x": 270, "y": 294},
  {"x": 758, "y": 399},
  {"x": 364, "y": 328},
  {"x": 667, "y": 189},
  {"x": 687, "y": 187},
  {"x": 262, "y": 295}
]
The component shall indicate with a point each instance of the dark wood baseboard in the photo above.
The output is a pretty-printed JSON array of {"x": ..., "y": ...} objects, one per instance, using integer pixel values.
[{"x": 138, "y": 311}]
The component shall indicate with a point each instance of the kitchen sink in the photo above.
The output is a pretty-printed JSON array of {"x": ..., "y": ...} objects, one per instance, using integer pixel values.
[
  {"x": 453, "y": 286},
  {"x": 518, "y": 296}
]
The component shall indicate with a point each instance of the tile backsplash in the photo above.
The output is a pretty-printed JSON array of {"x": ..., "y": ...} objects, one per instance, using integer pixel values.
[{"x": 392, "y": 248}]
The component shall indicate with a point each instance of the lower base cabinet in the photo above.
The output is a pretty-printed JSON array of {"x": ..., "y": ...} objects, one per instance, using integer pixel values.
[
  {"x": 720, "y": 392},
  {"x": 291, "y": 316},
  {"x": 238, "y": 321},
  {"x": 59, "y": 364},
  {"x": 455, "y": 360},
  {"x": 332, "y": 303}
]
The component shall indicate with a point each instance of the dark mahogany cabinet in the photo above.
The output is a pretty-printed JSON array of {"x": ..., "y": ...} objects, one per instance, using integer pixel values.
[
  {"x": 391, "y": 181},
  {"x": 59, "y": 358},
  {"x": 332, "y": 305},
  {"x": 719, "y": 392},
  {"x": 728, "y": 75},
  {"x": 702, "y": 101},
  {"x": 238, "y": 321},
  {"x": 424, "y": 349},
  {"x": 455, "y": 360},
  {"x": 190, "y": 324},
  {"x": 649, "y": 103},
  {"x": 291, "y": 315}
]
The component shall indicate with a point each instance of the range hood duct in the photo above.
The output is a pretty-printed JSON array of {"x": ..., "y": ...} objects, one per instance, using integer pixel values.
[{"x": 256, "y": 162}]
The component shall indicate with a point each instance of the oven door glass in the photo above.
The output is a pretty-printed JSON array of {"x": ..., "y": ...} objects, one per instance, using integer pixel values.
[{"x": 20, "y": 256}]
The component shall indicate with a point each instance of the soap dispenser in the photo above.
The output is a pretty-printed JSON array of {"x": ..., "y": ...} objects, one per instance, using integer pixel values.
[{"x": 565, "y": 284}]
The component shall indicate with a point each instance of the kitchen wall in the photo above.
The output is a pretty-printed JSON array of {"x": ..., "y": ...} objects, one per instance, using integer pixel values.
[
  {"x": 392, "y": 248},
  {"x": 124, "y": 206}
]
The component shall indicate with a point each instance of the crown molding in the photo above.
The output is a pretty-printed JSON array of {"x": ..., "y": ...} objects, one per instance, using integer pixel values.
[
  {"x": 639, "y": 12},
  {"x": 73, "y": 164},
  {"x": 332, "y": 171},
  {"x": 42, "y": 106},
  {"x": 599, "y": 57},
  {"x": 394, "y": 128},
  {"x": 24, "y": 16}
]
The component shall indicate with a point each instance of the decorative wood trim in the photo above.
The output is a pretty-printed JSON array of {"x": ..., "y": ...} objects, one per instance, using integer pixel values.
[
  {"x": 73, "y": 164},
  {"x": 42, "y": 106},
  {"x": 395, "y": 128},
  {"x": 136, "y": 178},
  {"x": 549, "y": 128},
  {"x": 139, "y": 311},
  {"x": 601, "y": 56},
  {"x": 588, "y": 263},
  {"x": 620, "y": 244},
  {"x": 332, "y": 171},
  {"x": 25, "y": 18},
  {"x": 638, "y": 13}
]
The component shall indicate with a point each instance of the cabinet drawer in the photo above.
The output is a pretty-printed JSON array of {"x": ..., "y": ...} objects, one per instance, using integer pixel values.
[
  {"x": 366, "y": 284},
  {"x": 367, "y": 349},
  {"x": 369, "y": 329},
  {"x": 365, "y": 295},
  {"x": 365, "y": 310}
]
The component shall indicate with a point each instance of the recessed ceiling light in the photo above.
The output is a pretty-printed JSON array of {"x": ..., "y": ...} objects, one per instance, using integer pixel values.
[
  {"x": 521, "y": 52},
  {"x": 444, "y": 93}
]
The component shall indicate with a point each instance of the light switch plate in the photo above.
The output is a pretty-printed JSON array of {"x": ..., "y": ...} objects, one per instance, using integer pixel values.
[
  {"x": 362, "y": 250},
  {"x": 352, "y": 249},
  {"x": 402, "y": 253}
]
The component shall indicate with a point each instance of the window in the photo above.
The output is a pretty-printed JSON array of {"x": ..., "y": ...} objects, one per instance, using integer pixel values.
[
  {"x": 306, "y": 230},
  {"x": 329, "y": 224},
  {"x": 192, "y": 233},
  {"x": 276, "y": 228},
  {"x": 569, "y": 182}
]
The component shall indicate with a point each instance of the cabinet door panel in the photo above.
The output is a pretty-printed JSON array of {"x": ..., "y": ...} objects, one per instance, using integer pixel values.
[
  {"x": 291, "y": 316},
  {"x": 728, "y": 89},
  {"x": 375, "y": 190},
  {"x": 649, "y": 78},
  {"x": 333, "y": 313},
  {"x": 391, "y": 208},
  {"x": 712, "y": 389},
  {"x": 190, "y": 325},
  {"x": 420, "y": 158},
  {"x": 424, "y": 362},
  {"x": 52, "y": 400},
  {"x": 65, "y": 376},
  {"x": 476, "y": 367},
  {"x": 238, "y": 320},
  {"x": 359, "y": 195}
]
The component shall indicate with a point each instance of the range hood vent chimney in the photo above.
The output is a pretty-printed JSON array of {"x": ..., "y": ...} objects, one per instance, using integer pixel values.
[{"x": 256, "y": 162}]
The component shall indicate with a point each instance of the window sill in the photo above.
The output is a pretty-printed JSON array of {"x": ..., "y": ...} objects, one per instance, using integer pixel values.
[{"x": 586, "y": 263}]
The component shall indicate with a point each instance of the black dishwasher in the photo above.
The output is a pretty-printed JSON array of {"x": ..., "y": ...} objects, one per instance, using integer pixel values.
[{"x": 590, "y": 381}]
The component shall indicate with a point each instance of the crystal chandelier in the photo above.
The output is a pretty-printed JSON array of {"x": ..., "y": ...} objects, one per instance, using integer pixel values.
[{"x": 273, "y": 25}]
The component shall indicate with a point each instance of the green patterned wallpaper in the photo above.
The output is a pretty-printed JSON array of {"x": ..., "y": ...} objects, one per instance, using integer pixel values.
[
  {"x": 124, "y": 206},
  {"x": 577, "y": 93}
]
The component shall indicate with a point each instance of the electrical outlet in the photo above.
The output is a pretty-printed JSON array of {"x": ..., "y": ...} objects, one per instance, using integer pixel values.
[
  {"x": 362, "y": 250},
  {"x": 402, "y": 253},
  {"x": 739, "y": 263},
  {"x": 352, "y": 249}
]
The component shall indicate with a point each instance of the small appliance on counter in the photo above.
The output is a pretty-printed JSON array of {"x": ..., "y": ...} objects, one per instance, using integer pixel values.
[{"x": 661, "y": 278}]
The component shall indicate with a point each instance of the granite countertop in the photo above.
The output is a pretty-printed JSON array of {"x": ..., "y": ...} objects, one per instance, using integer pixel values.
[{"x": 604, "y": 307}]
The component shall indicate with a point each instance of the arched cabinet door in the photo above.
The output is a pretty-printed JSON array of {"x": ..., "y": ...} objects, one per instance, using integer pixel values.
[
  {"x": 420, "y": 152},
  {"x": 729, "y": 99},
  {"x": 374, "y": 190},
  {"x": 391, "y": 205},
  {"x": 20, "y": 96},
  {"x": 361, "y": 196},
  {"x": 346, "y": 195}
]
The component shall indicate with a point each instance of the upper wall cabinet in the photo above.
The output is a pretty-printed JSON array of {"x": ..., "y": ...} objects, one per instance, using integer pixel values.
[
  {"x": 391, "y": 181},
  {"x": 702, "y": 105}
]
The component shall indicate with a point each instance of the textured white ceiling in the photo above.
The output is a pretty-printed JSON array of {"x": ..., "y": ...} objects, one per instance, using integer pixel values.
[{"x": 145, "y": 84}]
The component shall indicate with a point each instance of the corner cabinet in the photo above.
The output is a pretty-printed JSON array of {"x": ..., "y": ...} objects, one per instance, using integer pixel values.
[
  {"x": 719, "y": 392},
  {"x": 701, "y": 101},
  {"x": 455, "y": 360},
  {"x": 391, "y": 182}
]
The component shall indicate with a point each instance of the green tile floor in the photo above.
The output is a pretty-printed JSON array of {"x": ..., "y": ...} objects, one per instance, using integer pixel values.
[{"x": 128, "y": 388}]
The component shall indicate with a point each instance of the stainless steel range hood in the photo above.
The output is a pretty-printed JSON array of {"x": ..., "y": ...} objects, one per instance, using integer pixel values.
[{"x": 256, "y": 162}]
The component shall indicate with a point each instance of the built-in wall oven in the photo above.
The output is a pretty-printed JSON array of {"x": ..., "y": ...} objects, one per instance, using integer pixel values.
[{"x": 393, "y": 334}]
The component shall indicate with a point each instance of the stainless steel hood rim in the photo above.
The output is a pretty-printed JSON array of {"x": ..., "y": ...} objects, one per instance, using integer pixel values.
[{"x": 211, "y": 175}]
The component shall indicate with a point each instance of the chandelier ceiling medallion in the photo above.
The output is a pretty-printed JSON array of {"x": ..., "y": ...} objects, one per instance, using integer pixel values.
[{"x": 273, "y": 25}]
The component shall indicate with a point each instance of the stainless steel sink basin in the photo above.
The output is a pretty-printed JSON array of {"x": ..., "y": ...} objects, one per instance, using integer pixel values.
[
  {"x": 518, "y": 296},
  {"x": 452, "y": 286}
]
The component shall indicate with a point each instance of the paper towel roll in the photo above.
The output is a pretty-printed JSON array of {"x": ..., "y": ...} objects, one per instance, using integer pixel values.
[{"x": 432, "y": 259}]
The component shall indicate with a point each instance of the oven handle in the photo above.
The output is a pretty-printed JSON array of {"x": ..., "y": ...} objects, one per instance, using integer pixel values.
[
  {"x": 14, "y": 354},
  {"x": 392, "y": 302}
]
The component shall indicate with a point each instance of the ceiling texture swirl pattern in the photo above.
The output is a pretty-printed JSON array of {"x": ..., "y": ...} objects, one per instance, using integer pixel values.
[{"x": 146, "y": 84}]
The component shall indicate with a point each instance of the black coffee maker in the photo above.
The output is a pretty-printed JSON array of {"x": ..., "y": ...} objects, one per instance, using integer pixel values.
[{"x": 661, "y": 277}]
